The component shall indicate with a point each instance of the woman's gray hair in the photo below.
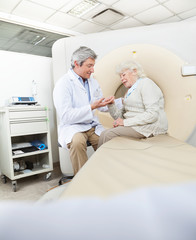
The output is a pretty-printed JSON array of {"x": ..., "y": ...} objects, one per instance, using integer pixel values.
[
  {"x": 81, "y": 55},
  {"x": 131, "y": 65}
]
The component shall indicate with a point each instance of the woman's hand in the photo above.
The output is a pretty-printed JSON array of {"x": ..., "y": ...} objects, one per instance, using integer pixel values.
[
  {"x": 110, "y": 99},
  {"x": 118, "y": 122},
  {"x": 102, "y": 102}
]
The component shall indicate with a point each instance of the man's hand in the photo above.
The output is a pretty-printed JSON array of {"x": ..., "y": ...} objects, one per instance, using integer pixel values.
[
  {"x": 118, "y": 122},
  {"x": 102, "y": 102},
  {"x": 110, "y": 100}
]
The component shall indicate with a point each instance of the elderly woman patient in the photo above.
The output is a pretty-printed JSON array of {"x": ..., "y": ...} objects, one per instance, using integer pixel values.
[{"x": 142, "y": 114}]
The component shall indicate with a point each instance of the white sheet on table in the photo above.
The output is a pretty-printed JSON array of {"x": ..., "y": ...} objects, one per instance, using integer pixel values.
[{"x": 156, "y": 213}]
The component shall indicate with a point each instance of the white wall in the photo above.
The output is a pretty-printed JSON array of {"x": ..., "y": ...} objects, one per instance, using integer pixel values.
[
  {"x": 16, "y": 74},
  {"x": 178, "y": 38}
]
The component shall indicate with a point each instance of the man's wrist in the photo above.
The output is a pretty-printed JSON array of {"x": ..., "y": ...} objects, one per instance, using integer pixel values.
[{"x": 92, "y": 107}]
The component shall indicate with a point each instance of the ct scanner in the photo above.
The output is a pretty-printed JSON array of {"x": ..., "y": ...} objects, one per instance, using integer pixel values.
[
  {"x": 164, "y": 68},
  {"x": 123, "y": 164}
]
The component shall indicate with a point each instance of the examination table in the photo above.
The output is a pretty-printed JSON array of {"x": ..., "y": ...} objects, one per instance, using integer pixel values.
[{"x": 125, "y": 164}]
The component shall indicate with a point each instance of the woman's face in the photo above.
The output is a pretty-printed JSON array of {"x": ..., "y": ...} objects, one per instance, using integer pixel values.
[{"x": 128, "y": 77}]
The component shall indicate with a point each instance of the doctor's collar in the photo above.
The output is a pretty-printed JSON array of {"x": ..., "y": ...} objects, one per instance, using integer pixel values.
[{"x": 76, "y": 75}]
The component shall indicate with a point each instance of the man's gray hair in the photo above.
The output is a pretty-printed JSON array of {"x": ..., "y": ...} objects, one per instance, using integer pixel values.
[
  {"x": 81, "y": 55},
  {"x": 131, "y": 65}
]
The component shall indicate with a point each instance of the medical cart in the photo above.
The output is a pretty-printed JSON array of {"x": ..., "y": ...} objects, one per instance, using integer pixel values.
[{"x": 20, "y": 127}]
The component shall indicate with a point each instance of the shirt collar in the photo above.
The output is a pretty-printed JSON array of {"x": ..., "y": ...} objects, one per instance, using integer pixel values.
[
  {"x": 76, "y": 75},
  {"x": 133, "y": 87}
]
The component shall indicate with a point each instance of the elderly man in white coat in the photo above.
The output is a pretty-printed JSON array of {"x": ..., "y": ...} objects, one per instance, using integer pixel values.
[{"x": 76, "y": 95}]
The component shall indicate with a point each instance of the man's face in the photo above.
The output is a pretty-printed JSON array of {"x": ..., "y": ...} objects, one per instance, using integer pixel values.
[{"x": 86, "y": 69}]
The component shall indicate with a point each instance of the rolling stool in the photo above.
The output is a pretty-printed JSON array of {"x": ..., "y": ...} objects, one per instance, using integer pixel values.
[{"x": 65, "y": 162}]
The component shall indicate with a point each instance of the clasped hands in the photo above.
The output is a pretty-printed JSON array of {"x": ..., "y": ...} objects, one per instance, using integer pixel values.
[
  {"x": 102, "y": 102},
  {"x": 118, "y": 122}
]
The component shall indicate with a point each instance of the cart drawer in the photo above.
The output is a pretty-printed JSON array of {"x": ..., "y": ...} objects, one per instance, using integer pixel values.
[
  {"x": 27, "y": 114},
  {"x": 28, "y": 127}
]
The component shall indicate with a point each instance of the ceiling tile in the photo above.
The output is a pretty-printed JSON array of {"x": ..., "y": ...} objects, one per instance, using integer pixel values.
[
  {"x": 153, "y": 15},
  {"x": 53, "y": 13},
  {"x": 70, "y": 5},
  {"x": 127, "y": 23},
  {"x": 162, "y": 1},
  {"x": 7, "y": 6},
  {"x": 88, "y": 27},
  {"x": 188, "y": 14},
  {"x": 105, "y": 30},
  {"x": 32, "y": 11},
  {"x": 179, "y": 6},
  {"x": 54, "y": 4},
  {"x": 63, "y": 20},
  {"x": 133, "y": 7},
  {"x": 108, "y": 2},
  {"x": 171, "y": 19},
  {"x": 190, "y": 19}
]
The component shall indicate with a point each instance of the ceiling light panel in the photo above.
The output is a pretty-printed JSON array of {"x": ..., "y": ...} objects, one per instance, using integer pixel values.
[
  {"x": 20, "y": 47},
  {"x": 41, "y": 50},
  {"x": 107, "y": 17},
  {"x": 31, "y": 37},
  {"x": 7, "y": 31},
  {"x": 83, "y": 7},
  {"x": 2, "y": 42},
  {"x": 23, "y": 39}
]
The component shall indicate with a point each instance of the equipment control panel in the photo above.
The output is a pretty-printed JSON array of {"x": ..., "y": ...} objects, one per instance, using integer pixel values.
[{"x": 22, "y": 100}]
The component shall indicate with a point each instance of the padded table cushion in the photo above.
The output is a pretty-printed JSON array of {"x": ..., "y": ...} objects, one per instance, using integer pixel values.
[{"x": 123, "y": 164}]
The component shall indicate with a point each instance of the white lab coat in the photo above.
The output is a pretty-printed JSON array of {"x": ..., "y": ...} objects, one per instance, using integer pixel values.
[{"x": 73, "y": 107}]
